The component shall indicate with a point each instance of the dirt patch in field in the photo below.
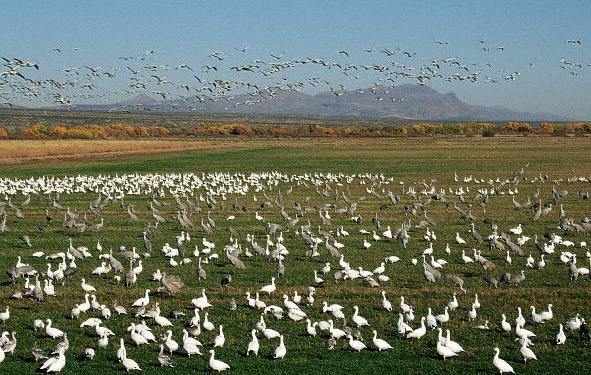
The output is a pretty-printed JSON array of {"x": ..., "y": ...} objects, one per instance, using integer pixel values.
[{"x": 33, "y": 152}]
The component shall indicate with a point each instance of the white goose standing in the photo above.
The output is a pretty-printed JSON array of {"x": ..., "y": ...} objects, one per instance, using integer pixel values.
[
  {"x": 526, "y": 352},
  {"x": 356, "y": 345},
  {"x": 216, "y": 364},
  {"x": 269, "y": 288},
  {"x": 144, "y": 301},
  {"x": 387, "y": 305},
  {"x": 380, "y": 344},
  {"x": 52, "y": 331},
  {"x": 357, "y": 319},
  {"x": 444, "y": 351},
  {"x": 419, "y": 332},
  {"x": 281, "y": 350},
  {"x": 253, "y": 345},
  {"x": 501, "y": 364},
  {"x": 560, "y": 336}
]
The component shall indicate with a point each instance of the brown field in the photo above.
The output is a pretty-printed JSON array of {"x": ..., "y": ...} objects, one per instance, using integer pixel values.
[{"x": 33, "y": 151}]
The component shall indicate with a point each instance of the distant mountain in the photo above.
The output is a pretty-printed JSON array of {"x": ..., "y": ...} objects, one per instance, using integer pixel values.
[
  {"x": 141, "y": 99},
  {"x": 405, "y": 101}
]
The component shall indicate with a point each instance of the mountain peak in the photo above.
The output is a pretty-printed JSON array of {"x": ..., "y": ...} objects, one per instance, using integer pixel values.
[{"x": 141, "y": 99}]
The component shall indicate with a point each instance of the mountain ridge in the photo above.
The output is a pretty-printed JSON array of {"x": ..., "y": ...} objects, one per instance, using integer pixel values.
[{"x": 412, "y": 102}]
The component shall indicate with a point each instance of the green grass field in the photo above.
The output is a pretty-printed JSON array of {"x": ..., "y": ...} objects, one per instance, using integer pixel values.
[{"x": 410, "y": 161}]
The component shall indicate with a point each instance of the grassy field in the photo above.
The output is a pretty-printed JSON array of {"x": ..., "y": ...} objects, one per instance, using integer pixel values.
[{"x": 410, "y": 161}]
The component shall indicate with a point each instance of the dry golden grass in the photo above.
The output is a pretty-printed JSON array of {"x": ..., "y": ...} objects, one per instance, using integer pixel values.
[
  {"x": 39, "y": 148},
  {"x": 29, "y": 151}
]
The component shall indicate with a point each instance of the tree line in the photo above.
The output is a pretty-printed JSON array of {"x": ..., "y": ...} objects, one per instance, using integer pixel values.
[{"x": 211, "y": 129}]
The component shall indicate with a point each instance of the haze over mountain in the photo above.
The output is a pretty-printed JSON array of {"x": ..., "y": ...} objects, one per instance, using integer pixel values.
[{"x": 407, "y": 101}]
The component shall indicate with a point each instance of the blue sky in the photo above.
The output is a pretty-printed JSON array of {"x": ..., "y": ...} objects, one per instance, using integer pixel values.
[{"x": 532, "y": 35}]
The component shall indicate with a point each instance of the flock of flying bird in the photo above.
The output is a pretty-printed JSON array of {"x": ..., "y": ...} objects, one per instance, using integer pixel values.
[
  {"x": 246, "y": 83},
  {"x": 282, "y": 211}
]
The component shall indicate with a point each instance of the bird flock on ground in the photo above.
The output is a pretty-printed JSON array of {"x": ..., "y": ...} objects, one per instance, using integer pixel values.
[
  {"x": 244, "y": 76},
  {"x": 291, "y": 218}
]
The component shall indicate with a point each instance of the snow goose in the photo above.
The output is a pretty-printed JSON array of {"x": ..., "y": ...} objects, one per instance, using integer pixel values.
[
  {"x": 145, "y": 331},
  {"x": 476, "y": 302},
  {"x": 201, "y": 302},
  {"x": 55, "y": 364},
  {"x": 161, "y": 320},
  {"x": 220, "y": 339},
  {"x": 52, "y": 331},
  {"x": 311, "y": 327},
  {"x": 190, "y": 345},
  {"x": 171, "y": 344},
  {"x": 430, "y": 320},
  {"x": 89, "y": 353},
  {"x": 560, "y": 336},
  {"x": 419, "y": 332},
  {"x": 216, "y": 364},
  {"x": 84, "y": 306},
  {"x": 444, "y": 351},
  {"x": 505, "y": 326},
  {"x": 520, "y": 320},
  {"x": 4, "y": 316},
  {"x": 209, "y": 326},
  {"x": 121, "y": 352},
  {"x": 281, "y": 350},
  {"x": 517, "y": 230},
  {"x": 357, "y": 319},
  {"x": 459, "y": 239},
  {"x": 482, "y": 326},
  {"x": 387, "y": 305},
  {"x": 501, "y": 364},
  {"x": 269, "y": 288},
  {"x": 471, "y": 314},
  {"x": 380, "y": 344},
  {"x": 38, "y": 324},
  {"x": 447, "y": 249},
  {"x": 253, "y": 345},
  {"x": 523, "y": 333},
  {"x": 356, "y": 345},
  {"x": 130, "y": 364},
  {"x": 403, "y": 306},
  {"x": 136, "y": 337},
  {"x": 392, "y": 259},
  {"x": 443, "y": 318},
  {"x": 466, "y": 258},
  {"x": 87, "y": 287},
  {"x": 429, "y": 250},
  {"x": 380, "y": 269},
  {"x": 453, "y": 304},
  {"x": 535, "y": 317},
  {"x": 548, "y": 314},
  {"x": 144, "y": 301},
  {"x": 401, "y": 326},
  {"x": 452, "y": 345},
  {"x": 270, "y": 333},
  {"x": 336, "y": 333},
  {"x": 526, "y": 352}
]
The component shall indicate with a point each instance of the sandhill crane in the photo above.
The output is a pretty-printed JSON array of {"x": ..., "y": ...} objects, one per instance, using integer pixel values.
[{"x": 458, "y": 281}]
